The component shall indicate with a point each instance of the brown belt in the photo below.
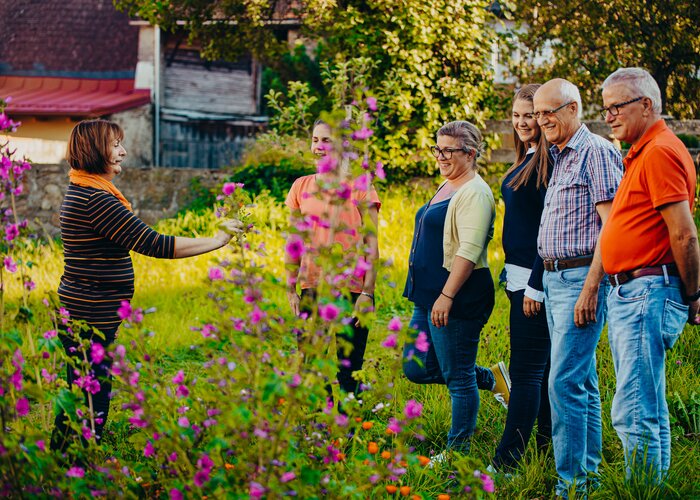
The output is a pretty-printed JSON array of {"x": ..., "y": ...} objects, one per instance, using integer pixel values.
[
  {"x": 622, "y": 278},
  {"x": 561, "y": 264}
]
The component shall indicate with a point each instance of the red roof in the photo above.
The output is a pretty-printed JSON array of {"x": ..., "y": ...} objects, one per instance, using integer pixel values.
[{"x": 70, "y": 96}]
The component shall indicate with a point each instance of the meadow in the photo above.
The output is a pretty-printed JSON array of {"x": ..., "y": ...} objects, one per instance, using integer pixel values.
[{"x": 180, "y": 296}]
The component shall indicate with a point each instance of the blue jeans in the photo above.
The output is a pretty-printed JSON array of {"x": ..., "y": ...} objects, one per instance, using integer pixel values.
[
  {"x": 529, "y": 369},
  {"x": 573, "y": 379},
  {"x": 646, "y": 316},
  {"x": 451, "y": 360}
]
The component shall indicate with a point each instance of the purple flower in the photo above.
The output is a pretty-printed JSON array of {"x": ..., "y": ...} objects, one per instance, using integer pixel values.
[
  {"x": 124, "y": 310},
  {"x": 394, "y": 426},
  {"x": 390, "y": 341},
  {"x": 11, "y": 232},
  {"x": 97, "y": 353},
  {"x": 256, "y": 315},
  {"x": 422, "y": 343},
  {"x": 256, "y": 490},
  {"x": 216, "y": 274},
  {"x": 328, "y": 312},
  {"x": 49, "y": 334},
  {"x": 75, "y": 472},
  {"x": 179, "y": 377},
  {"x": 413, "y": 409},
  {"x": 230, "y": 187},
  {"x": 10, "y": 265},
  {"x": 22, "y": 407},
  {"x": 287, "y": 476},
  {"x": 201, "y": 477},
  {"x": 371, "y": 103},
  {"x": 295, "y": 247},
  {"x": 182, "y": 391},
  {"x": 394, "y": 324},
  {"x": 362, "y": 134},
  {"x": 148, "y": 450},
  {"x": 326, "y": 164},
  {"x": 295, "y": 382},
  {"x": 175, "y": 494},
  {"x": 380, "y": 171},
  {"x": 362, "y": 183},
  {"x": 183, "y": 422},
  {"x": 488, "y": 485}
]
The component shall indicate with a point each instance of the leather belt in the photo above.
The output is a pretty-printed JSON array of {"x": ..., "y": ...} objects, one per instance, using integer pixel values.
[
  {"x": 622, "y": 278},
  {"x": 561, "y": 264}
]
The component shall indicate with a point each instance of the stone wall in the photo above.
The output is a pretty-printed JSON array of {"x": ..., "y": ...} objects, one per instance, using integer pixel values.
[{"x": 155, "y": 193}]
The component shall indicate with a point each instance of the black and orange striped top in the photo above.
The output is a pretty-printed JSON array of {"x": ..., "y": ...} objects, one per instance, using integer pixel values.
[{"x": 98, "y": 233}]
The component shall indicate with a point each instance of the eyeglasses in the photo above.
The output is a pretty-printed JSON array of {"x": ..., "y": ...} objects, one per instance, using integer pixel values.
[
  {"x": 445, "y": 152},
  {"x": 547, "y": 114},
  {"x": 614, "y": 109}
]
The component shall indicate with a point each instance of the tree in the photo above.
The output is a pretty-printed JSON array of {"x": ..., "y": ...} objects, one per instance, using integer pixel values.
[
  {"x": 590, "y": 39},
  {"x": 429, "y": 59}
]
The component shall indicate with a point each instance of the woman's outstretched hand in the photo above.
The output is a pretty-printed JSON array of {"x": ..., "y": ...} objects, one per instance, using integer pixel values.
[{"x": 227, "y": 229}]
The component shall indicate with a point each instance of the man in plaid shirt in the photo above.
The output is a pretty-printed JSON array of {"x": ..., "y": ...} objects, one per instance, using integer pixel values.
[{"x": 587, "y": 171}]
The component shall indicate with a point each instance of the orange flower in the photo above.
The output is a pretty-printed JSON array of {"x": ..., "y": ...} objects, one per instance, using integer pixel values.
[
  {"x": 372, "y": 447},
  {"x": 358, "y": 419},
  {"x": 229, "y": 466},
  {"x": 443, "y": 496},
  {"x": 367, "y": 425},
  {"x": 405, "y": 490},
  {"x": 366, "y": 461},
  {"x": 403, "y": 463},
  {"x": 423, "y": 460},
  {"x": 390, "y": 488},
  {"x": 341, "y": 456},
  {"x": 416, "y": 497},
  {"x": 281, "y": 401},
  {"x": 386, "y": 455}
]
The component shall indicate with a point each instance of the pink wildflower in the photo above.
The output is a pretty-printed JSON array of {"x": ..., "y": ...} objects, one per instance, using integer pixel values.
[
  {"x": 295, "y": 382},
  {"x": 328, "y": 312},
  {"x": 124, "y": 310},
  {"x": 9, "y": 264},
  {"x": 362, "y": 183},
  {"x": 379, "y": 172},
  {"x": 390, "y": 341},
  {"x": 148, "y": 450},
  {"x": 22, "y": 407},
  {"x": 183, "y": 422},
  {"x": 176, "y": 494},
  {"x": 216, "y": 274},
  {"x": 11, "y": 232},
  {"x": 362, "y": 134},
  {"x": 413, "y": 409},
  {"x": 182, "y": 391},
  {"x": 230, "y": 187},
  {"x": 488, "y": 485},
  {"x": 97, "y": 353},
  {"x": 394, "y": 324},
  {"x": 371, "y": 103},
  {"x": 394, "y": 426},
  {"x": 295, "y": 247},
  {"x": 179, "y": 377},
  {"x": 256, "y": 490},
  {"x": 287, "y": 476},
  {"x": 75, "y": 472},
  {"x": 326, "y": 164},
  {"x": 422, "y": 343}
]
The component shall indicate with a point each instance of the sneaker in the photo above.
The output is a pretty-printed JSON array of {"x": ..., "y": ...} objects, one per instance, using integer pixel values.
[
  {"x": 439, "y": 460},
  {"x": 501, "y": 390}
]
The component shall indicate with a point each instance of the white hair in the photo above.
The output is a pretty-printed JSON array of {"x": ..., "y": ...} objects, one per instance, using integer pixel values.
[
  {"x": 639, "y": 80},
  {"x": 569, "y": 93}
]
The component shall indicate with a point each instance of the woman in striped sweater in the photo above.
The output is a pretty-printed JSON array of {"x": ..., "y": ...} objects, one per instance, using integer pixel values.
[{"x": 99, "y": 230}]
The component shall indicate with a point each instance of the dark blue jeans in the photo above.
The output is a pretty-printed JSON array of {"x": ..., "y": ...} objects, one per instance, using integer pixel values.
[
  {"x": 451, "y": 360},
  {"x": 529, "y": 370}
]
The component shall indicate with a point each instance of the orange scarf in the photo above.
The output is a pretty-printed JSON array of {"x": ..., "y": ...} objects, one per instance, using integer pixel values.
[{"x": 82, "y": 178}]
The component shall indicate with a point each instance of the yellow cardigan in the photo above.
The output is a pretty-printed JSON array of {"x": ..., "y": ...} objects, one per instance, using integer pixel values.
[{"x": 469, "y": 224}]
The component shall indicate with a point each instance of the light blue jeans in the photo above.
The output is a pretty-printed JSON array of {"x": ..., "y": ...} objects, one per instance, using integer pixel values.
[
  {"x": 573, "y": 380},
  {"x": 646, "y": 316}
]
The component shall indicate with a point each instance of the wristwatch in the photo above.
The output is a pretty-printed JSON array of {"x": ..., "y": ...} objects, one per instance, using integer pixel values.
[{"x": 692, "y": 298}]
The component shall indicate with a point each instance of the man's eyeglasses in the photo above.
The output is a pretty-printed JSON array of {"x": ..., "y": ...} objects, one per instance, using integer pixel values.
[
  {"x": 614, "y": 109},
  {"x": 547, "y": 114},
  {"x": 445, "y": 152}
]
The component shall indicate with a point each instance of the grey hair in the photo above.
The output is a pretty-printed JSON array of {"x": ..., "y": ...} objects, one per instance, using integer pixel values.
[
  {"x": 639, "y": 80},
  {"x": 468, "y": 135},
  {"x": 569, "y": 93}
]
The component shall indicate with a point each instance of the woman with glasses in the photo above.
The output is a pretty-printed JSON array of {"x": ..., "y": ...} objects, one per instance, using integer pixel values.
[
  {"x": 524, "y": 187},
  {"x": 450, "y": 284}
]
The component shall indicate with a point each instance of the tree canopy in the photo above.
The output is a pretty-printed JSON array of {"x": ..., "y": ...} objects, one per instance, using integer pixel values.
[{"x": 591, "y": 39}]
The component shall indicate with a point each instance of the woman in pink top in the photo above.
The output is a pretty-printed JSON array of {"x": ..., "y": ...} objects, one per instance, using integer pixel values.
[{"x": 345, "y": 224}]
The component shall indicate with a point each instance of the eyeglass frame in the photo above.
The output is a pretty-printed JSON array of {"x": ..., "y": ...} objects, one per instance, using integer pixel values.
[
  {"x": 604, "y": 111},
  {"x": 547, "y": 113},
  {"x": 443, "y": 151}
]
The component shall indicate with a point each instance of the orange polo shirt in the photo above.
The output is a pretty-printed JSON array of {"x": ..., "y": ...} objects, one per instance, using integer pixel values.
[
  {"x": 303, "y": 196},
  {"x": 658, "y": 171}
]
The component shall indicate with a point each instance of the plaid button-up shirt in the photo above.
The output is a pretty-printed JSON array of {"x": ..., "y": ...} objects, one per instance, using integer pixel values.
[{"x": 586, "y": 172}]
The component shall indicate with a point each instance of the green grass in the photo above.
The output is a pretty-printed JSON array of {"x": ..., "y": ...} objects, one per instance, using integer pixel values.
[{"x": 178, "y": 291}]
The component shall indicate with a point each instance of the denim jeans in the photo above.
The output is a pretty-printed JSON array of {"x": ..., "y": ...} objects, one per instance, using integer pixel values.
[
  {"x": 451, "y": 360},
  {"x": 573, "y": 379},
  {"x": 529, "y": 369},
  {"x": 645, "y": 317}
]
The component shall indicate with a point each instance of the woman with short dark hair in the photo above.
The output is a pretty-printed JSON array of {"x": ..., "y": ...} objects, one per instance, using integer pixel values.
[{"x": 99, "y": 230}]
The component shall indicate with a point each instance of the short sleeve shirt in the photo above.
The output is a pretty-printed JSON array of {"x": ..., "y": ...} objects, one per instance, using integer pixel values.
[
  {"x": 304, "y": 197},
  {"x": 658, "y": 170},
  {"x": 586, "y": 172}
]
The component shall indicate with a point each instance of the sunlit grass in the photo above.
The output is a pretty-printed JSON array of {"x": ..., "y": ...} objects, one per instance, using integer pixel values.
[{"x": 178, "y": 291}]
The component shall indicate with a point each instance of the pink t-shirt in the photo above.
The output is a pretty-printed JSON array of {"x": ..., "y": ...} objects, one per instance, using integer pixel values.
[{"x": 303, "y": 196}]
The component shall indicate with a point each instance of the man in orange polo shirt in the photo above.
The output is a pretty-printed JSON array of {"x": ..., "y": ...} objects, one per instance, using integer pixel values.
[{"x": 649, "y": 249}]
